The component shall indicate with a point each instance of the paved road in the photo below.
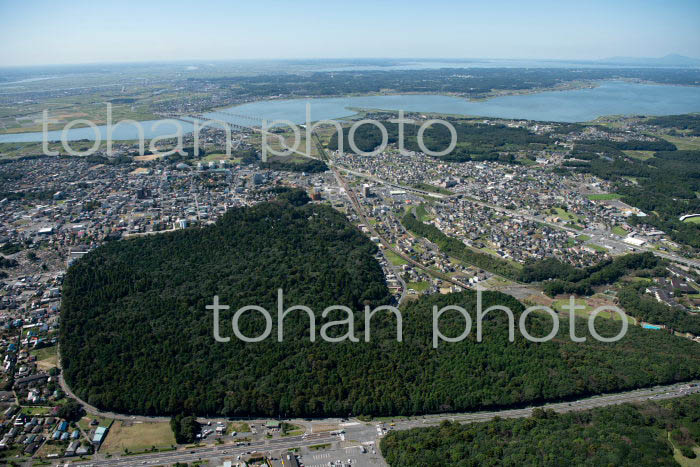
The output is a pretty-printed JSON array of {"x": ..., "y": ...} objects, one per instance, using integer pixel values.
[
  {"x": 216, "y": 451},
  {"x": 637, "y": 395},
  {"x": 357, "y": 432},
  {"x": 360, "y": 212}
]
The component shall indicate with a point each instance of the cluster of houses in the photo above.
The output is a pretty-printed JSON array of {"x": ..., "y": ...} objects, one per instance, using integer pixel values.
[
  {"x": 677, "y": 291},
  {"x": 28, "y": 433}
]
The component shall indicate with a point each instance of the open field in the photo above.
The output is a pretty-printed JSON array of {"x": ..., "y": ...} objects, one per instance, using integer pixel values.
[
  {"x": 46, "y": 357},
  {"x": 44, "y": 352},
  {"x": 604, "y": 196},
  {"x": 418, "y": 286},
  {"x": 47, "y": 449},
  {"x": 617, "y": 230},
  {"x": 682, "y": 143},
  {"x": 432, "y": 188},
  {"x": 395, "y": 259},
  {"x": 31, "y": 411},
  {"x": 590, "y": 304},
  {"x": 241, "y": 427},
  {"x": 693, "y": 220},
  {"x": 680, "y": 458},
  {"x": 84, "y": 423},
  {"x": 566, "y": 215},
  {"x": 147, "y": 157},
  {"x": 640, "y": 155},
  {"x": 137, "y": 437}
]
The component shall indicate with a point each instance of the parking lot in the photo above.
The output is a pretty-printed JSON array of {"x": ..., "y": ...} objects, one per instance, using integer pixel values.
[{"x": 343, "y": 457}]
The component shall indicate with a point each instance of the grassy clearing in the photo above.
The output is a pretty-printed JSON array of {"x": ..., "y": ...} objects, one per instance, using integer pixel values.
[
  {"x": 680, "y": 458},
  {"x": 640, "y": 155},
  {"x": 589, "y": 306},
  {"x": 432, "y": 188},
  {"x": 422, "y": 214},
  {"x": 36, "y": 410},
  {"x": 241, "y": 427},
  {"x": 47, "y": 449},
  {"x": 693, "y": 220},
  {"x": 44, "y": 352},
  {"x": 603, "y": 196},
  {"x": 394, "y": 259},
  {"x": 566, "y": 215},
  {"x": 558, "y": 306},
  {"x": 289, "y": 429},
  {"x": 418, "y": 286},
  {"x": 137, "y": 437},
  {"x": 598, "y": 248},
  {"x": 46, "y": 357},
  {"x": 215, "y": 157},
  {"x": 583, "y": 238},
  {"x": 84, "y": 423},
  {"x": 617, "y": 230},
  {"x": 692, "y": 144}
]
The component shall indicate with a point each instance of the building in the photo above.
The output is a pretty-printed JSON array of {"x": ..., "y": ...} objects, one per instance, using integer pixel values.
[
  {"x": 99, "y": 435},
  {"x": 634, "y": 241},
  {"x": 289, "y": 459},
  {"x": 273, "y": 425}
]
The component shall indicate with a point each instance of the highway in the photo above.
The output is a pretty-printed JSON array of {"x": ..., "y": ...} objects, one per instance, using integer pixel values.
[
  {"x": 362, "y": 432},
  {"x": 214, "y": 451}
]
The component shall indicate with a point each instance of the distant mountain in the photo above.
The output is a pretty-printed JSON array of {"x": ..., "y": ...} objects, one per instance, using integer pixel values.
[{"x": 671, "y": 60}]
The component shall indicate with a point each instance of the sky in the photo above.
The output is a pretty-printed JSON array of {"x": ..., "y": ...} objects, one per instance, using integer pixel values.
[{"x": 67, "y": 32}]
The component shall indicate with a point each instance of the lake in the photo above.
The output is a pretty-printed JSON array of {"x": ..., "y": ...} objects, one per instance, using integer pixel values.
[{"x": 579, "y": 105}]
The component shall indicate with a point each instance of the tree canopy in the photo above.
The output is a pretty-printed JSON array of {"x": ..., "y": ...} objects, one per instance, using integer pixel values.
[{"x": 626, "y": 435}]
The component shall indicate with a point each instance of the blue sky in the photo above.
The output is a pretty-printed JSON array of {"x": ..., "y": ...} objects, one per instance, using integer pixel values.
[{"x": 49, "y": 32}]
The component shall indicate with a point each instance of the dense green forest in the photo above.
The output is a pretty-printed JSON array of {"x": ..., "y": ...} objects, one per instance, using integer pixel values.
[
  {"x": 136, "y": 337},
  {"x": 455, "y": 248},
  {"x": 626, "y": 435}
]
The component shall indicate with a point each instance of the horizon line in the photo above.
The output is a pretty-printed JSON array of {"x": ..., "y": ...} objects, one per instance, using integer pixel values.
[{"x": 301, "y": 59}]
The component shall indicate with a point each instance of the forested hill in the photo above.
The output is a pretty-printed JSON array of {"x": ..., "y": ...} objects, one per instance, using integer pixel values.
[
  {"x": 628, "y": 435},
  {"x": 136, "y": 338}
]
